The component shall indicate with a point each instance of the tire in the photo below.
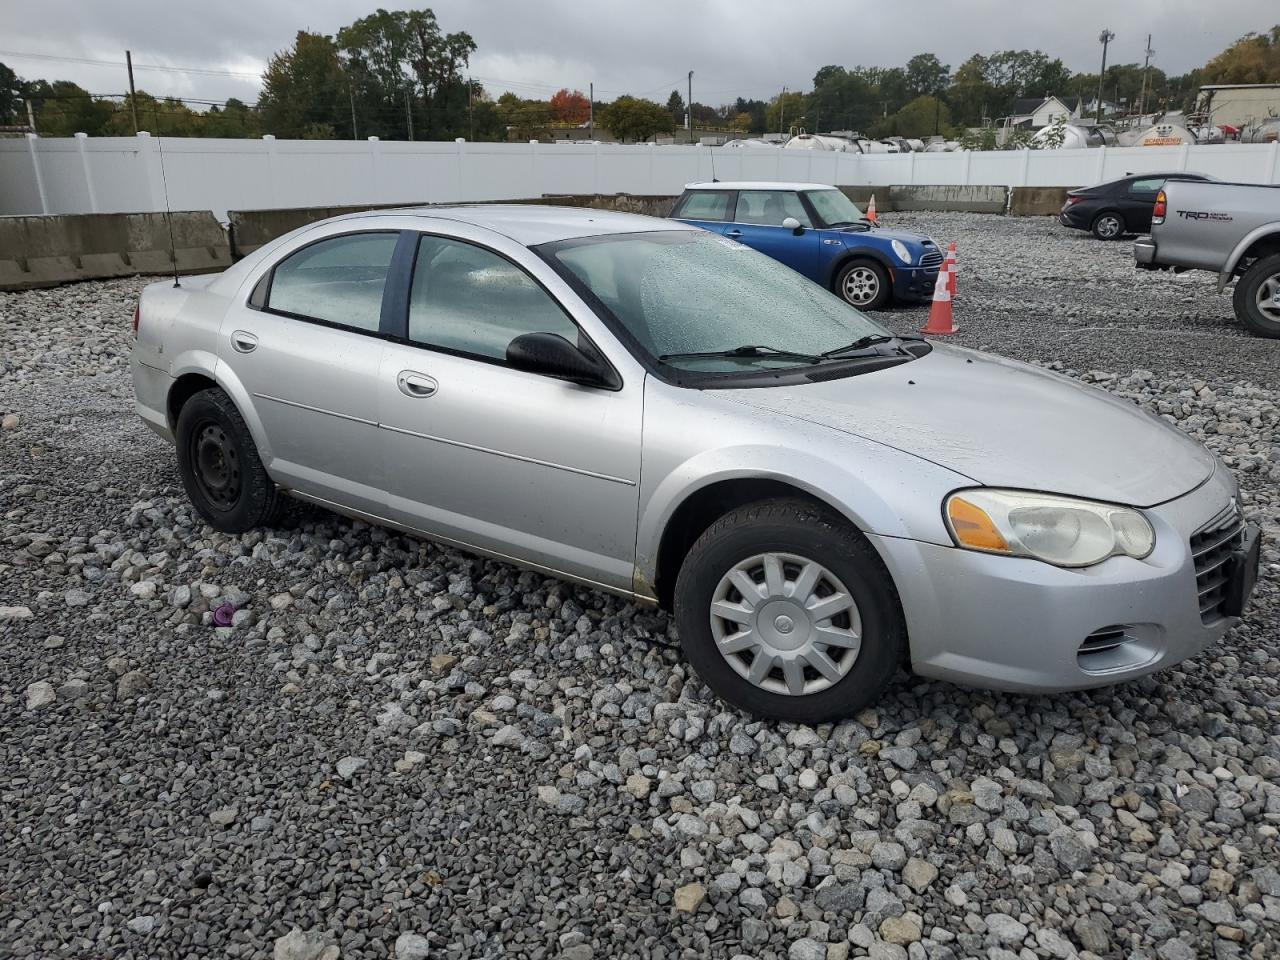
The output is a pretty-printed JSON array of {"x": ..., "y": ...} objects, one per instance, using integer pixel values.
[
  {"x": 863, "y": 284},
  {"x": 220, "y": 467},
  {"x": 1257, "y": 287},
  {"x": 1108, "y": 225},
  {"x": 799, "y": 534}
]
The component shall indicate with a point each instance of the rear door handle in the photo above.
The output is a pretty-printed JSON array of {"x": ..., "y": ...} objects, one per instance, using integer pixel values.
[
  {"x": 414, "y": 384},
  {"x": 733, "y": 233},
  {"x": 242, "y": 341}
]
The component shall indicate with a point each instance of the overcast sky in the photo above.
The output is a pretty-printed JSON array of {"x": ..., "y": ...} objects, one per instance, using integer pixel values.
[{"x": 750, "y": 48}]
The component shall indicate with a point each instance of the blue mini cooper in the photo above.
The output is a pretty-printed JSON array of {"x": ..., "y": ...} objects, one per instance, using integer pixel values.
[{"x": 821, "y": 233}]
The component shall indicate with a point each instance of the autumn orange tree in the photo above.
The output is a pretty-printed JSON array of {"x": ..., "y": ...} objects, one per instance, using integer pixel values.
[
  {"x": 1254, "y": 58},
  {"x": 570, "y": 106}
]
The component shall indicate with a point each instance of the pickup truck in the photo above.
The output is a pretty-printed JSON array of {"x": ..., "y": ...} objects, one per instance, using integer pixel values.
[{"x": 1232, "y": 229}]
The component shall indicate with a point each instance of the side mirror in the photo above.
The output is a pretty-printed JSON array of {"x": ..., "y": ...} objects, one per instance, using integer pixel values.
[
  {"x": 794, "y": 225},
  {"x": 553, "y": 356}
]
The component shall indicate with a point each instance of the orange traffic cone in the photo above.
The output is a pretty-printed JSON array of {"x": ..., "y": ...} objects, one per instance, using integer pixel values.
[
  {"x": 940, "y": 322},
  {"x": 871, "y": 210},
  {"x": 954, "y": 267}
]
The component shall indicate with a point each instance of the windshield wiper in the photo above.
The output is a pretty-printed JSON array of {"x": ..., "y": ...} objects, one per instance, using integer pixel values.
[
  {"x": 870, "y": 340},
  {"x": 748, "y": 350}
]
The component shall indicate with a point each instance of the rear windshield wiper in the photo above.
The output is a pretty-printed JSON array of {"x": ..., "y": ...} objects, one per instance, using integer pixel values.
[
  {"x": 862, "y": 343},
  {"x": 748, "y": 350}
]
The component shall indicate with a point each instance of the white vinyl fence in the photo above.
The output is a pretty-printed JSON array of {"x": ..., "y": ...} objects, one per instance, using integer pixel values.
[{"x": 131, "y": 174}]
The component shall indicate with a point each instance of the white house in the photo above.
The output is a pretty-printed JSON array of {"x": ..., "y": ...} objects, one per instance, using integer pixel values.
[{"x": 1035, "y": 113}]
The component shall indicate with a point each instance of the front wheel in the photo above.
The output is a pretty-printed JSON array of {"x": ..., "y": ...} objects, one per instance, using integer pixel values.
[
  {"x": 220, "y": 467},
  {"x": 864, "y": 284},
  {"x": 1257, "y": 297},
  {"x": 1108, "y": 226},
  {"x": 786, "y": 611}
]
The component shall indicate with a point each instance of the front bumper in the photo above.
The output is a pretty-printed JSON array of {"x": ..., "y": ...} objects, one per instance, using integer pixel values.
[
  {"x": 1014, "y": 624},
  {"x": 914, "y": 283}
]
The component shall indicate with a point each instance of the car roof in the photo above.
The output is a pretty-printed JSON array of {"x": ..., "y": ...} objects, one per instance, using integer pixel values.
[
  {"x": 756, "y": 185},
  {"x": 532, "y": 224}
]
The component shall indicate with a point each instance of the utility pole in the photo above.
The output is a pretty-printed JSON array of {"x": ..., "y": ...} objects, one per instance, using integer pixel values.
[
  {"x": 408, "y": 112},
  {"x": 1105, "y": 37},
  {"x": 782, "y": 112},
  {"x": 1146, "y": 66},
  {"x": 690, "y": 120},
  {"x": 471, "y": 108},
  {"x": 355, "y": 132},
  {"x": 133, "y": 95},
  {"x": 591, "y": 111}
]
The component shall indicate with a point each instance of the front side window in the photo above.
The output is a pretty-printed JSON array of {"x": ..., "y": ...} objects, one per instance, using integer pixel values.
[
  {"x": 770, "y": 207},
  {"x": 338, "y": 280},
  {"x": 470, "y": 300},
  {"x": 705, "y": 205},
  {"x": 681, "y": 293},
  {"x": 834, "y": 209}
]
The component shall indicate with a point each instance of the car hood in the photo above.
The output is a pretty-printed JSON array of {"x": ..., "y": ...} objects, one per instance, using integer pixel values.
[
  {"x": 1004, "y": 423},
  {"x": 879, "y": 233}
]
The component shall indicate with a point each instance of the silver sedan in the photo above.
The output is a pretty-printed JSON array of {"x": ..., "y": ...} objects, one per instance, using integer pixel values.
[{"x": 663, "y": 413}]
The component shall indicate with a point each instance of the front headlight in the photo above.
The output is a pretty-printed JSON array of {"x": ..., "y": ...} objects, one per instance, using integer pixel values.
[
  {"x": 901, "y": 250},
  {"x": 1058, "y": 530}
]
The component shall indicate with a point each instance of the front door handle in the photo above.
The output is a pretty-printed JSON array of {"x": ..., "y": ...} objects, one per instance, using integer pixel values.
[
  {"x": 242, "y": 341},
  {"x": 414, "y": 384},
  {"x": 733, "y": 233}
]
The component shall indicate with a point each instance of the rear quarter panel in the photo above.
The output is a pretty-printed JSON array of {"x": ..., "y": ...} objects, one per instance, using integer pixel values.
[{"x": 1206, "y": 221}]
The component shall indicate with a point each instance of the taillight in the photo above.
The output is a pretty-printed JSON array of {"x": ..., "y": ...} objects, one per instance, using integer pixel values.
[
  {"x": 137, "y": 315},
  {"x": 1072, "y": 201},
  {"x": 1158, "y": 211}
]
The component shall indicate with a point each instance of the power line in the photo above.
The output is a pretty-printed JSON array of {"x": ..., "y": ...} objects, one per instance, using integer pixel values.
[{"x": 206, "y": 71}]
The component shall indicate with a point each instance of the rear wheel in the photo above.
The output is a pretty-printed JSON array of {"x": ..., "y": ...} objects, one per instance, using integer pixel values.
[
  {"x": 1108, "y": 225},
  {"x": 1257, "y": 297},
  {"x": 864, "y": 284},
  {"x": 786, "y": 611},
  {"x": 220, "y": 468}
]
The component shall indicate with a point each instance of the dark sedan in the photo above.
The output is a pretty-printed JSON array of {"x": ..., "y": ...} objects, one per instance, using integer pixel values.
[{"x": 1110, "y": 210}]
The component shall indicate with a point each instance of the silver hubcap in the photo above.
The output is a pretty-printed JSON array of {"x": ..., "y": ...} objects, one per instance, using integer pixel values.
[
  {"x": 786, "y": 624},
  {"x": 1268, "y": 297},
  {"x": 1109, "y": 227},
  {"x": 861, "y": 285}
]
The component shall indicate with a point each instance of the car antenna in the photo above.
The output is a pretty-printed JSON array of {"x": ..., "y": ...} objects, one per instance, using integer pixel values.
[
  {"x": 712, "y": 151},
  {"x": 168, "y": 214}
]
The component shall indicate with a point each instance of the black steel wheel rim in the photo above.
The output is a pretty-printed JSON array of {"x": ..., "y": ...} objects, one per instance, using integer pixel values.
[{"x": 216, "y": 465}]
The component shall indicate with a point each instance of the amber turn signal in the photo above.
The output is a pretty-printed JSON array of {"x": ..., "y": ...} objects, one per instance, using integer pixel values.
[{"x": 973, "y": 528}]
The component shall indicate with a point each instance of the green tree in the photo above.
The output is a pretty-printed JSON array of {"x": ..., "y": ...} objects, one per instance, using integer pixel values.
[
  {"x": 675, "y": 106},
  {"x": 786, "y": 111},
  {"x": 922, "y": 117},
  {"x": 304, "y": 89},
  {"x": 524, "y": 119},
  {"x": 12, "y": 93},
  {"x": 926, "y": 74},
  {"x": 634, "y": 118},
  {"x": 64, "y": 109},
  {"x": 1254, "y": 58}
]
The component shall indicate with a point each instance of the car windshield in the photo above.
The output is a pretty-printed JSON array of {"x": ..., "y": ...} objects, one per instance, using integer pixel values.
[
  {"x": 705, "y": 303},
  {"x": 834, "y": 208}
]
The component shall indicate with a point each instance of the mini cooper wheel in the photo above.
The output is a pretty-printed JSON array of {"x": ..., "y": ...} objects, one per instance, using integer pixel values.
[
  {"x": 787, "y": 612},
  {"x": 1108, "y": 226},
  {"x": 220, "y": 468},
  {"x": 863, "y": 284},
  {"x": 1257, "y": 297}
]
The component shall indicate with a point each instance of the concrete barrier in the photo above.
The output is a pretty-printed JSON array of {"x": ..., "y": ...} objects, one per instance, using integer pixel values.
[
  {"x": 953, "y": 199},
  {"x": 47, "y": 251},
  {"x": 862, "y": 196},
  {"x": 1037, "y": 201},
  {"x": 250, "y": 229}
]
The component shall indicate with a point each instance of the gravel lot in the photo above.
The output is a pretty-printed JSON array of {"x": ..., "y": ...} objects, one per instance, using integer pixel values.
[{"x": 399, "y": 750}]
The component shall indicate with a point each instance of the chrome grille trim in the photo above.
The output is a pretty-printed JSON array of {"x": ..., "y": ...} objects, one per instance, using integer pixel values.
[{"x": 1211, "y": 548}]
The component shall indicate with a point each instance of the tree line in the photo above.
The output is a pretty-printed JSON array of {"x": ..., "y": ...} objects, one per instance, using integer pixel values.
[{"x": 398, "y": 75}]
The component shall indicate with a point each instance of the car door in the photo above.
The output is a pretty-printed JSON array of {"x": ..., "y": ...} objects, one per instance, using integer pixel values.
[
  {"x": 708, "y": 209},
  {"x": 1139, "y": 199},
  {"x": 511, "y": 462},
  {"x": 305, "y": 350},
  {"x": 757, "y": 222}
]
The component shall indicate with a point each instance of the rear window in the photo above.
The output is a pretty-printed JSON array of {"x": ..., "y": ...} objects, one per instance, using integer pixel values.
[
  {"x": 1149, "y": 185},
  {"x": 704, "y": 205},
  {"x": 338, "y": 280}
]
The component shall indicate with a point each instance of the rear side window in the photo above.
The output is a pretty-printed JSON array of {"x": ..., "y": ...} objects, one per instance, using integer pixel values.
[
  {"x": 1150, "y": 185},
  {"x": 704, "y": 205},
  {"x": 470, "y": 300},
  {"x": 339, "y": 280}
]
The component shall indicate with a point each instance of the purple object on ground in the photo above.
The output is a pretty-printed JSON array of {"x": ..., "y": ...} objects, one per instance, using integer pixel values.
[{"x": 223, "y": 614}]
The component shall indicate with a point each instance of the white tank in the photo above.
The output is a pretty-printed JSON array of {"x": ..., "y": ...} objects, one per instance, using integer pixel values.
[
  {"x": 814, "y": 141},
  {"x": 1164, "y": 135}
]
